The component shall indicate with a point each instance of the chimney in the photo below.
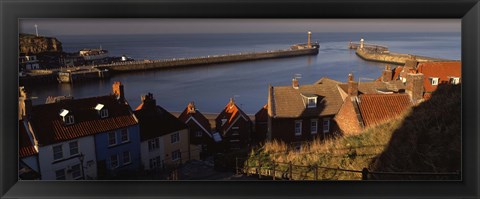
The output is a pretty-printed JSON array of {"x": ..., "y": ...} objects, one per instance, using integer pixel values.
[
  {"x": 148, "y": 101},
  {"x": 387, "y": 74},
  {"x": 191, "y": 108},
  {"x": 352, "y": 86},
  {"x": 414, "y": 86},
  {"x": 24, "y": 104},
  {"x": 117, "y": 89},
  {"x": 295, "y": 83}
]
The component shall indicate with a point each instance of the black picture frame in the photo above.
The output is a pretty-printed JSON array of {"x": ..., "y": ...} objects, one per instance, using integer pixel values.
[{"x": 467, "y": 10}]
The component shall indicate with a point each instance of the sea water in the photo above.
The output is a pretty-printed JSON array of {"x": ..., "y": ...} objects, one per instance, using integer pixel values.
[{"x": 211, "y": 86}]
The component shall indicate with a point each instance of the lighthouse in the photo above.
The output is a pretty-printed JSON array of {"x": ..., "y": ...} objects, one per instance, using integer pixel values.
[
  {"x": 309, "y": 45},
  {"x": 361, "y": 43}
]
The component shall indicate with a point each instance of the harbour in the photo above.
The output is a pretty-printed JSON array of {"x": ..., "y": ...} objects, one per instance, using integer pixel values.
[{"x": 210, "y": 86}]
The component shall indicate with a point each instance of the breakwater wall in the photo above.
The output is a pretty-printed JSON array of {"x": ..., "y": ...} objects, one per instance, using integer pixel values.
[
  {"x": 38, "y": 79},
  {"x": 215, "y": 59},
  {"x": 390, "y": 57}
]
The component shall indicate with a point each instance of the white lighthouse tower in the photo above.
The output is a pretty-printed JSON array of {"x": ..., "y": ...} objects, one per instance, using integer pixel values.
[
  {"x": 361, "y": 43},
  {"x": 309, "y": 45}
]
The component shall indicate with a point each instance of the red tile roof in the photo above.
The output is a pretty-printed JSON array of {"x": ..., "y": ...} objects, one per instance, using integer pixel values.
[
  {"x": 155, "y": 122},
  {"x": 231, "y": 112},
  {"x": 49, "y": 127},
  {"x": 26, "y": 147},
  {"x": 377, "y": 108},
  {"x": 442, "y": 70},
  {"x": 192, "y": 112}
]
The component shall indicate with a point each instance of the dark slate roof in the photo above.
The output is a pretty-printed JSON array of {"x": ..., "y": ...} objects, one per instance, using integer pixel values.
[
  {"x": 49, "y": 127},
  {"x": 231, "y": 112},
  {"x": 155, "y": 122},
  {"x": 26, "y": 147},
  {"x": 196, "y": 115},
  {"x": 377, "y": 108},
  {"x": 288, "y": 102}
]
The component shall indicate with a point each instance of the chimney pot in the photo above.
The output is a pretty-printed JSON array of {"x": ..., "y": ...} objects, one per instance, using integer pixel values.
[{"x": 295, "y": 84}]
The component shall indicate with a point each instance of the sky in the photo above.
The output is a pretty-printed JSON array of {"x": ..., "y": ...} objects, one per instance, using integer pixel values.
[{"x": 58, "y": 27}]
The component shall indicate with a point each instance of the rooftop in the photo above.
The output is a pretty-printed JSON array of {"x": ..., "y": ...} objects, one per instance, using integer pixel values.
[
  {"x": 288, "y": 102},
  {"x": 191, "y": 112},
  {"x": 155, "y": 121},
  {"x": 231, "y": 112},
  {"x": 26, "y": 147},
  {"x": 50, "y": 128},
  {"x": 377, "y": 108}
]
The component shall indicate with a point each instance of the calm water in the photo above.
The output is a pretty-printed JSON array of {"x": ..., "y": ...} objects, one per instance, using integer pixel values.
[{"x": 212, "y": 86}]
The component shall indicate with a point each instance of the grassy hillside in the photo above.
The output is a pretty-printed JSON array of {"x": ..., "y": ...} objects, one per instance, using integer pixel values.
[
  {"x": 429, "y": 139},
  {"x": 425, "y": 138}
]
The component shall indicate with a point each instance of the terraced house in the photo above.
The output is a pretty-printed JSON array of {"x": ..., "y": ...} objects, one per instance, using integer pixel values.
[
  {"x": 299, "y": 113},
  {"x": 164, "y": 138},
  {"x": 88, "y": 138},
  {"x": 200, "y": 130},
  {"x": 234, "y": 126}
]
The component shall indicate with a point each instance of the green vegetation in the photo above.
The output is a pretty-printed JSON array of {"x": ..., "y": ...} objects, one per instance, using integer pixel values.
[{"x": 425, "y": 138}]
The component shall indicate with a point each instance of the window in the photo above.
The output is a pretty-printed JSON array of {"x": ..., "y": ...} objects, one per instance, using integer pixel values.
[
  {"x": 153, "y": 144},
  {"x": 60, "y": 174},
  {"x": 73, "y": 148},
  {"x": 126, "y": 157},
  {"x": 198, "y": 134},
  {"x": 312, "y": 102},
  {"x": 113, "y": 161},
  {"x": 112, "y": 139},
  {"x": 326, "y": 125},
  {"x": 57, "y": 152},
  {"x": 454, "y": 80},
  {"x": 124, "y": 135},
  {"x": 176, "y": 155},
  {"x": 313, "y": 126},
  {"x": 298, "y": 127},
  {"x": 434, "y": 80},
  {"x": 155, "y": 162},
  {"x": 69, "y": 119},
  {"x": 104, "y": 113},
  {"x": 76, "y": 171},
  {"x": 175, "y": 138}
]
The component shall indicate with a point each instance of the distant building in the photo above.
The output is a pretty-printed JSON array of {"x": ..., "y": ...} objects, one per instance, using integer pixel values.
[
  {"x": 83, "y": 138},
  {"x": 164, "y": 138},
  {"x": 299, "y": 113},
  {"x": 234, "y": 126},
  {"x": 93, "y": 54},
  {"x": 433, "y": 74},
  {"x": 28, "y": 62},
  {"x": 436, "y": 73},
  {"x": 200, "y": 129}
]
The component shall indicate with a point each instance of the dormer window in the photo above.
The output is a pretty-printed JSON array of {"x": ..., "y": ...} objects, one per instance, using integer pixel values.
[
  {"x": 310, "y": 100},
  {"x": 434, "y": 81},
  {"x": 454, "y": 80},
  {"x": 68, "y": 119},
  {"x": 102, "y": 111}
]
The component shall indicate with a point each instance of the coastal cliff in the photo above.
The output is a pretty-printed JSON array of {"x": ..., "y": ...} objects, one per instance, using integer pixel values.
[{"x": 32, "y": 44}]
